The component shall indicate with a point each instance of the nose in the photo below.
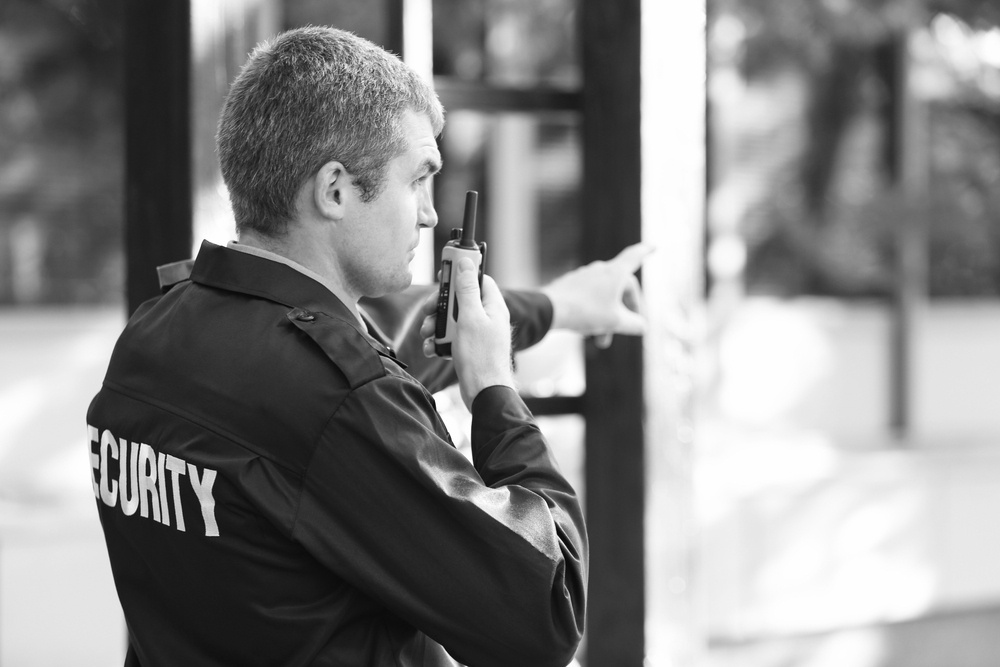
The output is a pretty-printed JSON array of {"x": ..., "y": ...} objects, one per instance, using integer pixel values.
[{"x": 427, "y": 216}]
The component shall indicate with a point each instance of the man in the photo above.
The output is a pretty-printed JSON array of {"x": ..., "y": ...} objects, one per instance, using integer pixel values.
[{"x": 275, "y": 488}]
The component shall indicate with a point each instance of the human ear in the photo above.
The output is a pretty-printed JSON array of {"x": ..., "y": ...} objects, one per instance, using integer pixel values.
[{"x": 330, "y": 189}]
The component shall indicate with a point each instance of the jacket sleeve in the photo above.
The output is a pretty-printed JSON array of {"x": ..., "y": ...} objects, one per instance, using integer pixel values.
[
  {"x": 488, "y": 558},
  {"x": 397, "y": 316}
]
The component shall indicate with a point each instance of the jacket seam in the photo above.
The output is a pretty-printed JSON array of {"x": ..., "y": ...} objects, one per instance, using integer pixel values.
[
  {"x": 207, "y": 425},
  {"x": 317, "y": 443}
]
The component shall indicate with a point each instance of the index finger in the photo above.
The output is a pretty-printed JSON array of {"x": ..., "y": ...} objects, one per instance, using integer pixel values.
[
  {"x": 429, "y": 304},
  {"x": 631, "y": 257}
]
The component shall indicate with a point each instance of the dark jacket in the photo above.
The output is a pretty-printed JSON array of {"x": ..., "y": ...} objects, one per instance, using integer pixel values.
[{"x": 276, "y": 489}]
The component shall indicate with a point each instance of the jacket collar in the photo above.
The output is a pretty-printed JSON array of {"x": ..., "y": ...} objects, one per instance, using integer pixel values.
[
  {"x": 223, "y": 268},
  {"x": 235, "y": 271}
]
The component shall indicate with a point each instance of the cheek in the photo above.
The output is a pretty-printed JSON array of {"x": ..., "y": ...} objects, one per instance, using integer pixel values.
[{"x": 408, "y": 213}]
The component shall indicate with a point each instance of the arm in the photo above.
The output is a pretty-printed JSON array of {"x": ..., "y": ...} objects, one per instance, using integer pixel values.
[
  {"x": 487, "y": 558},
  {"x": 400, "y": 316},
  {"x": 601, "y": 298}
]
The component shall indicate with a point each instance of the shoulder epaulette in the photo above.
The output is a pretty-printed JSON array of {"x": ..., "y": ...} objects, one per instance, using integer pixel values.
[
  {"x": 343, "y": 344},
  {"x": 173, "y": 273}
]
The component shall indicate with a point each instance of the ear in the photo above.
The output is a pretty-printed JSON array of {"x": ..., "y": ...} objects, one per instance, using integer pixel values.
[{"x": 331, "y": 188}]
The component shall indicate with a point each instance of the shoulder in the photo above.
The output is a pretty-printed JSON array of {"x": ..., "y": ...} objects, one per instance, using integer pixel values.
[{"x": 357, "y": 355}]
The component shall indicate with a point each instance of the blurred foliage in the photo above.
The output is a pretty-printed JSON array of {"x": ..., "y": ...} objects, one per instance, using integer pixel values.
[
  {"x": 367, "y": 19},
  {"x": 509, "y": 42},
  {"x": 62, "y": 119},
  {"x": 817, "y": 231},
  {"x": 516, "y": 44},
  {"x": 808, "y": 32},
  {"x": 829, "y": 223},
  {"x": 60, "y": 151}
]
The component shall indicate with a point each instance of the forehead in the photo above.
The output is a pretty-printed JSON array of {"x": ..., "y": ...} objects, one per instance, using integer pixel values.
[{"x": 421, "y": 144}]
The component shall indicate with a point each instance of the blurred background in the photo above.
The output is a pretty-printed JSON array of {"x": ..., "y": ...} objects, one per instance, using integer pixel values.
[{"x": 798, "y": 467}]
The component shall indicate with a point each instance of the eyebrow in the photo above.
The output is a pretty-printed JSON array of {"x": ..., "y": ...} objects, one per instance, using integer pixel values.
[{"x": 430, "y": 166}]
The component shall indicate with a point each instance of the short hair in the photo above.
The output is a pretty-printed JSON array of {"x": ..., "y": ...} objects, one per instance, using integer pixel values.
[{"x": 310, "y": 96}]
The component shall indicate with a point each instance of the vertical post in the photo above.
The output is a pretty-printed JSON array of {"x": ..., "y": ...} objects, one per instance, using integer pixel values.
[
  {"x": 614, "y": 441},
  {"x": 674, "y": 165},
  {"x": 158, "y": 200},
  {"x": 222, "y": 35},
  {"x": 644, "y": 179},
  {"x": 908, "y": 163},
  {"x": 410, "y": 34},
  {"x": 514, "y": 243},
  {"x": 394, "y": 30}
]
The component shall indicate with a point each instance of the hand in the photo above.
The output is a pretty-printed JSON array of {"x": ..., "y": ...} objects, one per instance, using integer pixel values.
[
  {"x": 481, "y": 346},
  {"x": 602, "y": 298}
]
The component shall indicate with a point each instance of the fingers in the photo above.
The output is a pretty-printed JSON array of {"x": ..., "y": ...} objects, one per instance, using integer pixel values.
[
  {"x": 630, "y": 323},
  {"x": 630, "y": 314},
  {"x": 633, "y": 298},
  {"x": 427, "y": 330},
  {"x": 481, "y": 348},
  {"x": 429, "y": 312},
  {"x": 467, "y": 293},
  {"x": 632, "y": 295},
  {"x": 430, "y": 303},
  {"x": 631, "y": 258}
]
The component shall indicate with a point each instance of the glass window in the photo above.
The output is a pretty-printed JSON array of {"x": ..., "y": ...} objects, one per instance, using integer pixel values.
[
  {"x": 520, "y": 43},
  {"x": 527, "y": 168}
]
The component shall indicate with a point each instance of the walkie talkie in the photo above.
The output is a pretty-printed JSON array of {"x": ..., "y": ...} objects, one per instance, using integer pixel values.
[{"x": 461, "y": 244}]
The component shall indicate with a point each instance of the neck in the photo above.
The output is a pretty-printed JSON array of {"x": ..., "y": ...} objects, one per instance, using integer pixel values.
[{"x": 307, "y": 252}]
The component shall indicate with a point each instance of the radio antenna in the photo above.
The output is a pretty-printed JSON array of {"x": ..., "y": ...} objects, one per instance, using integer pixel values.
[{"x": 469, "y": 220}]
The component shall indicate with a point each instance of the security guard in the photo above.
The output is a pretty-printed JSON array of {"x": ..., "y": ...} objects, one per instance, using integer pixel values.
[{"x": 274, "y": 486}]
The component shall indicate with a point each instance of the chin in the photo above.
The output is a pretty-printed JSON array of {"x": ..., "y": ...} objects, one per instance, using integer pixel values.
[{"x": 398, "y": 284}]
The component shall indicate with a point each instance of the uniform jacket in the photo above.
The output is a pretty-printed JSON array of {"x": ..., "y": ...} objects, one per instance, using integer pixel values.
[{"x": 276, "y": 488}]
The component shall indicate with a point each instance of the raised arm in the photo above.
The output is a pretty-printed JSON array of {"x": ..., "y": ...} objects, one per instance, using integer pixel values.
[
  {"x": 400, "y": 316},
  {"x": 488, "y": 558},
  {"x": 599, "y": 299}
]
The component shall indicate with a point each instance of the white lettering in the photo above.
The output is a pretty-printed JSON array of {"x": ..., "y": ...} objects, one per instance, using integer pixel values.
[
  {"x": 129, "y": 493},
  {"x": 149, "y": 497},
  {"x": 109, "y": 485},
  {"x": 177, "y": 467},
  {"x": 95, "y": 459},
  {"x": 141, "y": 483},
  {"x": 162, "y": 477},
  {"x": 203, "y": 489}
]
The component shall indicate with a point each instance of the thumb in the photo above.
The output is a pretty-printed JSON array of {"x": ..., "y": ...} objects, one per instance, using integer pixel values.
[
  {"x": 467, "y": 284},
  {"x": 630, "y": 322}
]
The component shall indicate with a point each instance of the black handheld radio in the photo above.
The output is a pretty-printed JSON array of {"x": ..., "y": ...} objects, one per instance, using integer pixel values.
[{"x": 461, "y": 244}]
